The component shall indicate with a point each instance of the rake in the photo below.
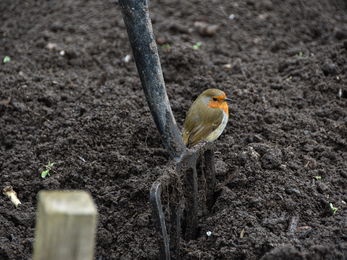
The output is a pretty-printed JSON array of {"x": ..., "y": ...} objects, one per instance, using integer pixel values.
[{"x": 180, "y": 177}]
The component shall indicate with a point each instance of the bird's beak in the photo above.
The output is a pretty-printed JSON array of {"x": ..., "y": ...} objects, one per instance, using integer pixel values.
[{"x": 227, "y": 99}]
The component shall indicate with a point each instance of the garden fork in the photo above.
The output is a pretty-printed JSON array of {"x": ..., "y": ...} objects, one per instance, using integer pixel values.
[{"x": 182, "y": 172}]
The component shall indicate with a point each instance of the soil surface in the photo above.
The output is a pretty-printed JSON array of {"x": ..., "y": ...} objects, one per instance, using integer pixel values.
[{"x": 70, "y": 95}]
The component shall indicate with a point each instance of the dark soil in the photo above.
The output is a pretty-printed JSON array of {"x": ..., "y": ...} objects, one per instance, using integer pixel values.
[{"x": 85, "y": 110}]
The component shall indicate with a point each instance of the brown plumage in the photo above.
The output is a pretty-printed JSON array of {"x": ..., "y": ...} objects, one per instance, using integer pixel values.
[{"x": 206, "y": 118}]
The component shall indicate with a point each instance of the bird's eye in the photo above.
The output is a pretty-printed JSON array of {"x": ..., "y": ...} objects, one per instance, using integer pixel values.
[{"x": 214, "y": 99}]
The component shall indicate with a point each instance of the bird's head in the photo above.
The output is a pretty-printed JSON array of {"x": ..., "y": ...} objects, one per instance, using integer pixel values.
[{"x": 214, "y": 98}]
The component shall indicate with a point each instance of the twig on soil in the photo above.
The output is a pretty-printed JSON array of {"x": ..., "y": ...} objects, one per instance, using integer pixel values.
[
  {"x": 11, "y": 194},
  {"x": 242, "y": 233},
  {"x": 222, "y": 10},
  {"x": 276, "y": 142},
  {"x": 306, "y": 233},
  {"x": 37, "y": 114},
  {"x": 293, "y": 224},
  {"x": 147, "y": 136},
  {"x": 230, "y": 179},
  {"x": 6, "y": 102}
]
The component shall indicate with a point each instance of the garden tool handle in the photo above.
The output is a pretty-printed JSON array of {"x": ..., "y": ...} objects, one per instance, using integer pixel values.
[{"x": 141, "y": 37}]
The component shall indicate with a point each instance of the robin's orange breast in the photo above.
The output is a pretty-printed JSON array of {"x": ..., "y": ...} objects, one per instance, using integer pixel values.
[{"x": 219, "y": 104}]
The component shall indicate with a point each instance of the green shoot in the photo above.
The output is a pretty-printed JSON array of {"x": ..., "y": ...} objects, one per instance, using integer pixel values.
[
  {"x": 333, "y": 208},
  {"x": 318, "y": 177},
  {"x": 48, "y": 168},
  {"x": 197, "y": 46},
  {"x": 300, "y": 54},
  {"x": 6, "y": 59},
  {"x": 166, "y": 46}
]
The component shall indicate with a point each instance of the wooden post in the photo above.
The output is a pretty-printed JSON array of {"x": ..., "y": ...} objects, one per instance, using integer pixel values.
[{"x": 65, "y": 226}]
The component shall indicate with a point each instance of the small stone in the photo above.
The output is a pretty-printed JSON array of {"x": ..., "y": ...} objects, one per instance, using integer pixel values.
[
  {"x": 57, "y": 26},
  {"x": 161, "y": 40},
  {"x": 51, "y": 46},
  {"x": 322, "y": 187},
  {"x": 272, "y": 159},
  {"x": 292, "y": 191},
  {"x": 179, "y": 28},
  {"x": 221, "y": 167},
  {"x": 41, "y": 43},
  {"x": 127, "y": 58},
  {"x": 340, "y": 34},
  {"x": 205, "y": 29},
  {"x": 258, "y": 41},
  {"x": 329, "y": 68}
]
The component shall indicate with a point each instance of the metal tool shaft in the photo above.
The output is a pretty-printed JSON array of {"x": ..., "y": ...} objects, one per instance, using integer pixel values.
[{"x": 141, "y": 37}]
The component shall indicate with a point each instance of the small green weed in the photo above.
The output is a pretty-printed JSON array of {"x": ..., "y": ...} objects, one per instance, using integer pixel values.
[
  {"x": 6, "y": 59},
  {"x": 197, "y": 46},
  {"x": 48, "y": 168},
  {"x": 333, "y": 208},
  {"x": 166, "y": 46}
]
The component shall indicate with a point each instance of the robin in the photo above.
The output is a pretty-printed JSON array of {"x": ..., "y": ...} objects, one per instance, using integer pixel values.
[{"x": 206, "y": 118}]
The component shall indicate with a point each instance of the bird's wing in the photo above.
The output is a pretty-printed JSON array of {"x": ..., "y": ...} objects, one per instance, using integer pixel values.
[{"x": 202, "y": 128}]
